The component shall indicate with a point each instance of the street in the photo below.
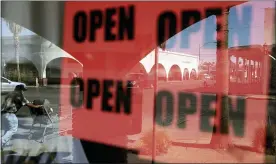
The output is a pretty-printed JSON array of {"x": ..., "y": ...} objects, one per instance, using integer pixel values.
[{"x": 52, "y": 143}]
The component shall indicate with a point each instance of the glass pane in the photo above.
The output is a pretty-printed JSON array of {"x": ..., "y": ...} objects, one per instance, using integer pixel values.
[{"x": 139, "y": 82}]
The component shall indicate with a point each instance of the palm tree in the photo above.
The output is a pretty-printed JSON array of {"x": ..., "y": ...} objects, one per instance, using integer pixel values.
[{"x": 16, "y": 30}]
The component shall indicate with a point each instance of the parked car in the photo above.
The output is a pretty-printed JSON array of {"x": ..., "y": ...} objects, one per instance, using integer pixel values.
[
  {"x": 8, "y": 85},
  {"x": 139, "y": 80}
]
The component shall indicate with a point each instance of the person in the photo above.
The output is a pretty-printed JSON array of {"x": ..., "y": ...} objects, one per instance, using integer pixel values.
[{"x": 12, "y": 103}]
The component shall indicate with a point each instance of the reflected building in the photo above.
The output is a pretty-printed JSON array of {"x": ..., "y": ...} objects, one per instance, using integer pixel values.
[
  {"x": 172, "y": 66},
  {"x": 41, "y": 59},
  {"x": 38, "y": 59}
]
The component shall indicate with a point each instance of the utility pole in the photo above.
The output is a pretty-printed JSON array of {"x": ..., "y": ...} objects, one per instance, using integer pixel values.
[
  {"x": 199, "y": 53},
  {"x": 156, "y": 54},
  {"x": 222, "y": 81},
  {"x": 199, "y": 47},
  {"x": 154, "y": 107}
]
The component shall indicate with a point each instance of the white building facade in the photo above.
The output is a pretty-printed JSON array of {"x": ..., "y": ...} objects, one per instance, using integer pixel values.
[
  {"x": 37, "y": 55},
  {"x": 172, "y": 66},
  {"x": 45, "y": 60}
]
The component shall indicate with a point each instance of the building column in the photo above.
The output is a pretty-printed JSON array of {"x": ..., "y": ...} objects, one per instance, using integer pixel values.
[
  {"x": 44, "y": 78},
  {"x": 254, "y": 73},
  {"x": 237, "y": 68},
  {"x": 259, "y": 71},
  {"x": 3, "y": 66},
  {"x": 250, "y": 71},
  {"x": 243, "y": 70}
]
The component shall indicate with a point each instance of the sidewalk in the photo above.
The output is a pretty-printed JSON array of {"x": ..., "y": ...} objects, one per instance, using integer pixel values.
[
  {"x": 179, "y": 139},
  {"x": 177, "y": 154},
  {"x": 53, "y": 143},
  {"x": 191, "y": 146}
]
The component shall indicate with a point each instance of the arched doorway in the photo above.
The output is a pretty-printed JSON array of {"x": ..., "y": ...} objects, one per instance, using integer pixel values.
[
  {"x": 28, "y": 70},
  {"x": 175, "y": 73},
  {"x": 138, "y": 68},
  {"x": 162, "y": 74},
  {"x": 193, "y": 74},
  {"x": 62, "y": 67},
  {"x": 186, "y": 74}
]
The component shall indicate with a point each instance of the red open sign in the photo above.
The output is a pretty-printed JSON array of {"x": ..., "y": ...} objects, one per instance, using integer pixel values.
[{"x": 108, "y": 49}]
